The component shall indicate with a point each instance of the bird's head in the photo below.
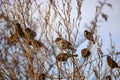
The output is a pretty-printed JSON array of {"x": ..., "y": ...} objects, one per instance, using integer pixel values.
[
  {"x": 17, "y": 24},
  {"x": 108, "y": 57},
  {"x": 86, "y": 32},
  {"x": 58, "y": 39}
]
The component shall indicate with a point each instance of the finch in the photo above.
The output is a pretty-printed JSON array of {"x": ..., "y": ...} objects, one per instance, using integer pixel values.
[
  {"x": 64, "y": 56},
  {"x": 18, "y": 30},
  {"x": 88, "y": 35},
  {"x": 64, "y": 44},
  {"x": 85, "y": 52},
  {"x": 30, "y": 33},
  {"x": 111, "y": 63}
]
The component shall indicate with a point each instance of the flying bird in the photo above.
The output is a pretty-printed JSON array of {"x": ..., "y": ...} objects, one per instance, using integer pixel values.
[
  {"x": 88, "y": 35},
  {"x": 64, "y": 44},
  {"x": 65, "y": 56},
  {"x": 85, "y": 53},
  {"x": 111, "y": 63}
]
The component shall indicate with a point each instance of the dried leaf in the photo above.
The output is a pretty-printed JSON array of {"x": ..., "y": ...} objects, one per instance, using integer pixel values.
[
  {"x": 101, "y": 3},
  {"x": 105, "y": 16},
  {"x": 96, "y": 72},
  {"x": 110, "y": 5}
]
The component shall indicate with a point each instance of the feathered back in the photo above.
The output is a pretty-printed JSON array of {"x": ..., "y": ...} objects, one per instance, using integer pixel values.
[
  {"x": 111, "y": 62},
  {"x": 88, "y": 35},
  {"x": 18, "y": 30}
]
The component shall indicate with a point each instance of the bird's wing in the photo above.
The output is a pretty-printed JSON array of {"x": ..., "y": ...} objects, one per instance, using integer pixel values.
[{"x": 115, "y": 63}]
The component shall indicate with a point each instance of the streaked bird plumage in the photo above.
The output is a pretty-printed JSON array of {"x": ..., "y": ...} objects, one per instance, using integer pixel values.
[
  {"x": 65, "y": 56},
  {"x": 13, "y": 38},
  {"x": 85, "y": 53},
  {"x": 111, "y": 63},
  {"x": 64, "y": 44},
  {"x": 88, "y": 35},
  {"x": 35, "y": 43},
  {"x": 30, "y": 33},
  {"x": 19, "y": 31}
]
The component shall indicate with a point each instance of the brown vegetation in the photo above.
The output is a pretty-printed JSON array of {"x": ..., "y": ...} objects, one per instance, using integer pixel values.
[{"x": 28, "y": 50}]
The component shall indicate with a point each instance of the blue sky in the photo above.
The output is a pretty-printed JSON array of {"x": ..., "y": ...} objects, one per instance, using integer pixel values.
[{"x": 112, "y": 25}]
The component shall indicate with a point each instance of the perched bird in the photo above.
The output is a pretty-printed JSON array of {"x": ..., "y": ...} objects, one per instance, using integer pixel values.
[
  {"x": 64, "y": 44},
  {"x": 88, "y": 35},
  {"x": 35, "y": 43},
  {"x": 111, "y": 63},
  {"x": 64, "y": 56},
  {"x": 85, "y": 52},
  {"x": 18, "y": 30},
  {"x": 30, "y": 33},
  {"x": 13, "y": 38},
  {"x": 42, "y": 76},
  {"x": 108, "y": 78}
]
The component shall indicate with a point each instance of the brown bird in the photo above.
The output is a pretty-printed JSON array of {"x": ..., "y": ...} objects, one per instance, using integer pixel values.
[
  {"x": 42, "y": 76},
  {"x": 88, "y": 35},
  {"x": 36, "y": 44},
  {"x": 64, "y": 56},
  {"x": 18, "y": 30},
  {"x": 85, "y": 52},
  {"x": 64, "y": 44},
  {"x": 108, "y": 78},
  {"x": 30, "y": 33},
  {"x": 13, "y": 38},
  {"x": 111, "y": 63}
]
